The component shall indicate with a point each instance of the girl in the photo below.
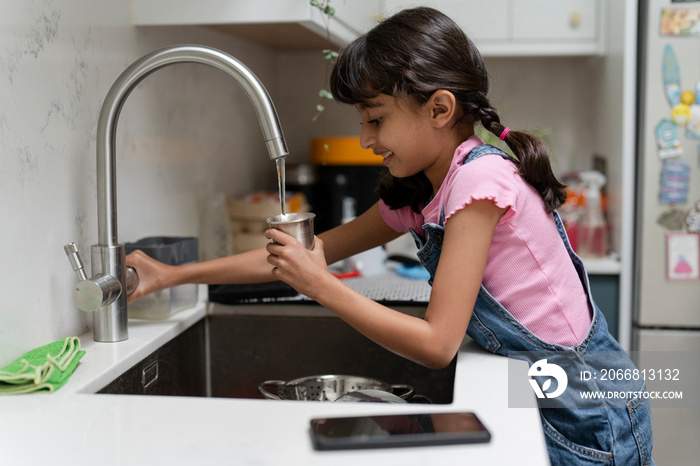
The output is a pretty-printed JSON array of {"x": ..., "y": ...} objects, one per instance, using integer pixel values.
[{"x": 501, "y": 266}]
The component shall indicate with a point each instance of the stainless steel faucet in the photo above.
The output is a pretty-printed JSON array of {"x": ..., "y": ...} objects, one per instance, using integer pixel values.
[{"x": 103, "y": 293}]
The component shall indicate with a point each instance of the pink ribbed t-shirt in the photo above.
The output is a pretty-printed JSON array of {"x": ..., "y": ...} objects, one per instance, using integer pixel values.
[{"x": 529, "y": 270}]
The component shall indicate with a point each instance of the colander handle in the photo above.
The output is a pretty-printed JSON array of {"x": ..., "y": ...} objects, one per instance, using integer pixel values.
[
  {"x": 408, "y": 389},
  {"x": 268, "y": 383}
]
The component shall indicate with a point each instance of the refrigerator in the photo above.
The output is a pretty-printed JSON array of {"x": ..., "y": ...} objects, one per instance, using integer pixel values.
[{"x": 666, "y": 304}]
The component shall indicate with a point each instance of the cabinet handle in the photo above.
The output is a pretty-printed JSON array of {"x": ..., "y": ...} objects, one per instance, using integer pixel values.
[
  {"x": 575, "y": 19},
  {"x": 149, "y": 375}
]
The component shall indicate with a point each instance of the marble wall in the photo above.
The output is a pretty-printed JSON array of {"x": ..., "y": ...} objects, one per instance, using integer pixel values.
[{"x": 186, "y": 132}]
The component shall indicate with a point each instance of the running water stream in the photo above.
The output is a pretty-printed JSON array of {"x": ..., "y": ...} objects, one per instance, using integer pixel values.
[{"x": 281, "y": 183}]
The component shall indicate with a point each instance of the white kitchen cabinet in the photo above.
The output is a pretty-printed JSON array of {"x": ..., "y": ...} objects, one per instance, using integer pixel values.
[
  {"x": 523, "y": 27},
  {"x": 571, "y": 20},
  {"x": 498, "y": 27},
  {"x": 283, "y": 24},
  {"x": 483, "y": 20}
]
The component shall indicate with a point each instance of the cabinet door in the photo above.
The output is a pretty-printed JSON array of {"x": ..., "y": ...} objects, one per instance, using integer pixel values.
[
  {"x": 522, "y": 27},
  {"x": 279, "y": 23},
  {"x": 482, "y": 21},
  {"x": 554, "y": 19}
]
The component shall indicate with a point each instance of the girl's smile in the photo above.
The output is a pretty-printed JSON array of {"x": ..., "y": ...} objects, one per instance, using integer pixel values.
[
  {"x": 411, "y": 138},
  {"x": 386, "y": 156}
]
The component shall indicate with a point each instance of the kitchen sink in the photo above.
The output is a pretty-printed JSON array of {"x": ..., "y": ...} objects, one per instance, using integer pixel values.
[{"x": 235, "y": 348}]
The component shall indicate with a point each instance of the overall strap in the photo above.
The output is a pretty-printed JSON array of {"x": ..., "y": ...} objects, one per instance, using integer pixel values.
[{"x": 475, "y": 153}]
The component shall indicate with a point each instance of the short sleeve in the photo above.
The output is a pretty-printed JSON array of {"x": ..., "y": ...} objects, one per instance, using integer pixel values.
[{"x": 490, "y": 177}]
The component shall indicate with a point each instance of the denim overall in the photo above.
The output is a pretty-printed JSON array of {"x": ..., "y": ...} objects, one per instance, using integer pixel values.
[{"x": 600, "y": 433}]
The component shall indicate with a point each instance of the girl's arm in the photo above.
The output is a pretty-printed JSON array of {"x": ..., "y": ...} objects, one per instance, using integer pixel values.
[
  {"x": 365, "y": 232},
  {"x": 432, "y": 341},
  {"x": 247, "y": 267},
  {"x": 362, "y": 233}
]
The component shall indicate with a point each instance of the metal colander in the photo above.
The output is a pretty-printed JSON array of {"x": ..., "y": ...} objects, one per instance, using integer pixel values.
[{"x": 328, "y": 387}]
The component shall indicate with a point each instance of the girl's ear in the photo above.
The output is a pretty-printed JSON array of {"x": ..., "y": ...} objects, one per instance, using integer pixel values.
[{"x": 443, "y": 106}]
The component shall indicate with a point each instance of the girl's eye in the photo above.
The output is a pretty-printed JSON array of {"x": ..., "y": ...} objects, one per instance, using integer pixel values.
[{"x": 374, "y": 121}]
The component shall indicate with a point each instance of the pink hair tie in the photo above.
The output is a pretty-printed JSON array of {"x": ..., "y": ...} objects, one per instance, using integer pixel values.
[{"x": 503, "y": 135}]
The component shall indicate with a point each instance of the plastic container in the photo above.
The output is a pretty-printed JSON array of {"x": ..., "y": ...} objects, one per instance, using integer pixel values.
[
  {"x": 172, "y": 251},
  {"x": 593, "y": 228}
]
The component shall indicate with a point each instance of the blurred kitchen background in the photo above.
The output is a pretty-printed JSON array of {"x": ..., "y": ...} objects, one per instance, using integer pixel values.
[{"x": 584, "y": 74}]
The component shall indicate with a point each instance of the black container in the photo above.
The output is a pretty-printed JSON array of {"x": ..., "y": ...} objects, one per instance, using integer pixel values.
[
  {"x": 171, "y": 250},
  {"x": 336, "y": 182},
  {"x": 302, "y": 178}
]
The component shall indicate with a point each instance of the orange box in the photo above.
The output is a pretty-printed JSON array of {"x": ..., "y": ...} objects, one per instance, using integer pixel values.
[{"x": 342, "y": 150}]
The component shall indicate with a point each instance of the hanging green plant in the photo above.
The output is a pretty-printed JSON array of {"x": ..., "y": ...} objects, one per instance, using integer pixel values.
[
  {"x": 329, "y": 55},
  {"x": 324, "y": 6}
]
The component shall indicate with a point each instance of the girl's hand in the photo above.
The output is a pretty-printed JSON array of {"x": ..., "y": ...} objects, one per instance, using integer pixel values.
[
  {"x": 303, "y": 269},
  {"x": 152, "y": 274}
]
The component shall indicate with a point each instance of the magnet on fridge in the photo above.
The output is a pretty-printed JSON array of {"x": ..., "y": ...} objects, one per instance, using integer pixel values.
[
  {"x": 681, "y": 112},
  {"x": 672, "y": 76},
  {"x": 674, "y": 182},
  {"x": 667, "y": 139},
  {"x": 680, "y": 22},
  {"x": 693, "y": 218},
  {"x": 673, "y": 219},
  {"x": 682, "y": 256},
  {"x": 693, "y": 128}
]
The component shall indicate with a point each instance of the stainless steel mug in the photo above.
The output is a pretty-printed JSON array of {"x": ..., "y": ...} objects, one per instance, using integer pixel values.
[{"x": 299, "y": 225}]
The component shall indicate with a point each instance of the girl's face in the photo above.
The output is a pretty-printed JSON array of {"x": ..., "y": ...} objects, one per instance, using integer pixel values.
[{"x": 405, "y": 136}]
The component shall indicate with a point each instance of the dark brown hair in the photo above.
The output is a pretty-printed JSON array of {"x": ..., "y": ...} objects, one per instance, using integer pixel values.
[{"x": 413, "y": 54}]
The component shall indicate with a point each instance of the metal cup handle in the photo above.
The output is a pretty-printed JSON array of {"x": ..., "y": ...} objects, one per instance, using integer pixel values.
[
  {"x": 269, "y": 383},
  {"x": 409, "y": 391}
]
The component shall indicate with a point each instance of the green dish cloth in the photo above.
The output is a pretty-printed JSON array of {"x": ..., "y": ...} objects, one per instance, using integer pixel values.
[{"x": 44, "y": 369}]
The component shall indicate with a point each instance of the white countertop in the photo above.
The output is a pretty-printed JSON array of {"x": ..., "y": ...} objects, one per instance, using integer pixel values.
[
  {"x": 602, "y": 266},
  {"x": 74, "y": 426}
]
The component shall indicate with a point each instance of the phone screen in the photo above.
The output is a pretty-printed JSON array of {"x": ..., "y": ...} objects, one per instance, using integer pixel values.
[{"x": 397, "y": 430}]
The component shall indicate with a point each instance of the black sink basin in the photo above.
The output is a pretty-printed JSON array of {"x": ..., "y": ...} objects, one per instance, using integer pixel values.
[{"x": 235, "y": 348}]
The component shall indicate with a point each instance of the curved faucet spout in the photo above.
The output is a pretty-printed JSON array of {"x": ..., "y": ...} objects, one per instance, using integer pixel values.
[
  {"x": 127, "y": 81},
  {"x": 108, "y": 256}
]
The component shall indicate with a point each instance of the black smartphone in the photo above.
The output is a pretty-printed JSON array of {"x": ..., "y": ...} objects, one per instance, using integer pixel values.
[{"x": 397, "y": 430}]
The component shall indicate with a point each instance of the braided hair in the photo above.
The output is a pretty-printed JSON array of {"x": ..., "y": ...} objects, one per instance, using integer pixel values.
[{"x": 413, "y": 54}]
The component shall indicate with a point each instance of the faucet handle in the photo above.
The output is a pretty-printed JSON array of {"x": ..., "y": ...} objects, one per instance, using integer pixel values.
[
  {"x": 96, "y": 292},
  {"x": 75, "y": 261},
  {"x": 93, "y": 293},
  {"x": 132, "y": 280},
  {"x": 74, "y": 257}
]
